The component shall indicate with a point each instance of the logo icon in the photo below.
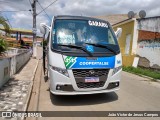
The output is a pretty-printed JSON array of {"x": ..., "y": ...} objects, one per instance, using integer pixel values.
[
  {"x": 118, "y": 61},
  {"x": 91, "y": 72},
  {"x": 6, "y": 114},
  {"x": 70, "y": 61},
  {"x": 90, "y": 48}
]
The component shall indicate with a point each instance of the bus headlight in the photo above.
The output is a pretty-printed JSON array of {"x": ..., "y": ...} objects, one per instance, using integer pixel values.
[
  {"x": 60, "y": 70},
  {"x": 115, "y": 70}
]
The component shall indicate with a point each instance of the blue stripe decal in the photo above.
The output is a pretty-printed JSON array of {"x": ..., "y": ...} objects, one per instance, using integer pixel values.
[{"x": 101, "y": 62}]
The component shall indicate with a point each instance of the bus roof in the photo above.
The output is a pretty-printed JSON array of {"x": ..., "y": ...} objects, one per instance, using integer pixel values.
[{"x": 78, "y": 18}]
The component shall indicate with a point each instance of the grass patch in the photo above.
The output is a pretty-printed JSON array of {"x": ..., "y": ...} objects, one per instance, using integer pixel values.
[{"x": 141, "y": 71}]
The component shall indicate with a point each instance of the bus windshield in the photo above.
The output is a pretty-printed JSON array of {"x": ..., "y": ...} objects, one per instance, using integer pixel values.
[{"x": 83, "y": 32}]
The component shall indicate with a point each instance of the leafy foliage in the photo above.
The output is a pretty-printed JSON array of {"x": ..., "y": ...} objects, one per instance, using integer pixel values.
[
  {"x": 3, "y": 46},
  {"x": 4, "y": 23},
  {"x": 142, "y": 71}
]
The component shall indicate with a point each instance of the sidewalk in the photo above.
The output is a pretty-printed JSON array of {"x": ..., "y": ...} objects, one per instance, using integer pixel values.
[{"x": 15, "y": 94}]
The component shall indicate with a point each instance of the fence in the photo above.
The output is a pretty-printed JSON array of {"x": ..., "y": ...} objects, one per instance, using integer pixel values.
[{"x": 10, "y": 65}]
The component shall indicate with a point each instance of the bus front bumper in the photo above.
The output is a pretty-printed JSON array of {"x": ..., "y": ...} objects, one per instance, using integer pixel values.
[
  {"x": 83, "y": 93},
  {"x": 111, "y": 88}
]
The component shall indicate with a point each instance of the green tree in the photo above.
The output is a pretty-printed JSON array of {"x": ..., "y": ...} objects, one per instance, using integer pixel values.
[
  {"x": 3, "y": 46},
  {"x": 3, "y": 43},
  {"x": 4, "y": 23}
]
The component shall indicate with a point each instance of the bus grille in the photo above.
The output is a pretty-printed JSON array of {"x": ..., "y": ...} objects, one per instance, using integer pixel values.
[
  {"x": 86, "y": 72},
  {"x": 90, "y": 85},
  {"x": 81, "y": 74}
]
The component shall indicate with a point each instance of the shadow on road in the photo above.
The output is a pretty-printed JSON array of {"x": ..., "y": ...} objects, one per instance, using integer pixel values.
[{"x": 80, "y": 100}]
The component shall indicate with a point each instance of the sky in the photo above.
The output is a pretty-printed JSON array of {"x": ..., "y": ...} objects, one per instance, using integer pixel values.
[{"x": 23, "y": 19}]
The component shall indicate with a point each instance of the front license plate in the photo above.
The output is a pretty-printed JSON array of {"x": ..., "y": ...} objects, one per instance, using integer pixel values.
[{"x": 91, "y": 79}]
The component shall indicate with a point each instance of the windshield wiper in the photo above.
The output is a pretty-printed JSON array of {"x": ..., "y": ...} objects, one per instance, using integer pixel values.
[
  {"x": 102, "y": 46},
  {"x": 78, "y": 47}
]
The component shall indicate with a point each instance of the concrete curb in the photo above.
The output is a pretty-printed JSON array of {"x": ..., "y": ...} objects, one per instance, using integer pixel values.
[
  {"x": 30, "y": 89},
  {"x": 38, "y": 92},
  {"x": 156, "y": 80},
  {"x": 38, "y": 95}
]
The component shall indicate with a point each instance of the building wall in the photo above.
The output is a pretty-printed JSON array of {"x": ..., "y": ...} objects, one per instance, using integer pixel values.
[
  {"x": 149, "y": 53},
  {"x": 148, "y": 35},
  {"x": 9, "y": 66},
  {"x": 127, "y": 29},
  {"x": 148, "y": 48}
]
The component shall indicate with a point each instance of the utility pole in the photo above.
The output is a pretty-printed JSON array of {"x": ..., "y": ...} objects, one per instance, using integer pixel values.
[
  {"x": 34, "y": 29},
  {"x": 33, "y": 4}
]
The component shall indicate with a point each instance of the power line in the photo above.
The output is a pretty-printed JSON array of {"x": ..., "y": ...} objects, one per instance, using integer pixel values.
[
  {"x": 43, "y": 10},
  {"x": 15, "y": 11},
  {"x": 47, "y": 7},
  {"x": 30, "y": 2},
  {"x": 31, "y": 5},
  {"x": 5, "y": 1}
]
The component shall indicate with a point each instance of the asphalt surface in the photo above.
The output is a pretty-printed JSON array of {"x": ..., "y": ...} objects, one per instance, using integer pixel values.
[{"x": 136, "y": 94}]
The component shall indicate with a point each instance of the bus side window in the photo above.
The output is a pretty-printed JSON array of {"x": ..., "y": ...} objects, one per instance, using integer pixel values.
[{"x": 110, "y": 38}]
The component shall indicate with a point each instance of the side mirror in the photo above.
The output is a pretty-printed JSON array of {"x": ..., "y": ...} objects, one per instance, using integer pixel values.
[
  {"x": 43, "y": 28},
  {"x": 118, "y": 32}
]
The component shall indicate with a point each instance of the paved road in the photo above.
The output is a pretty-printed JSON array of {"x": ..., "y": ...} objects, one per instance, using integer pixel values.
[{"x": 135, "y": 94}]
